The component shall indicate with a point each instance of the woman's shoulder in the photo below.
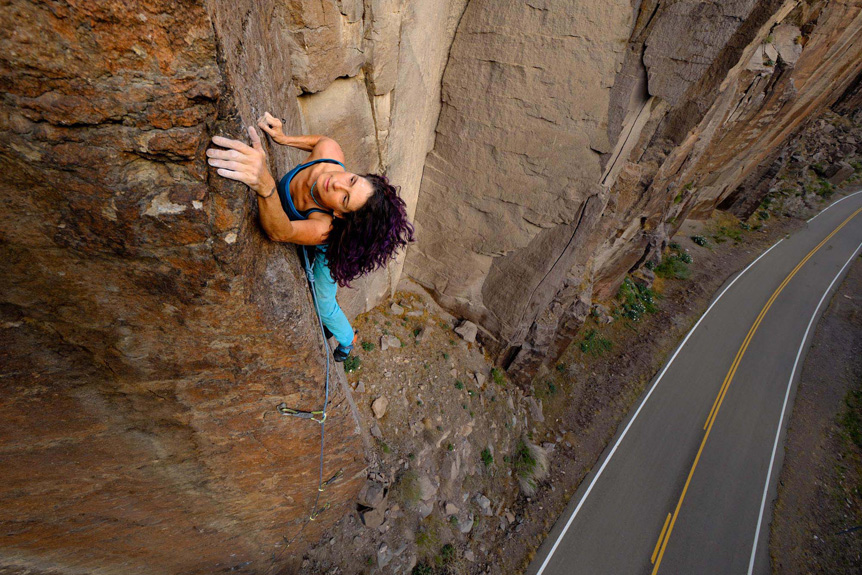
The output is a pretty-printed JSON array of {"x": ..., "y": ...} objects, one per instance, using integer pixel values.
[
  {"x": 327, "y": 149},
  {"x": 321, "y": 216}
]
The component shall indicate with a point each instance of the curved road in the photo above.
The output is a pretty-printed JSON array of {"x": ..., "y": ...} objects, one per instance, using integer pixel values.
[{"x": 686, "y": 486}]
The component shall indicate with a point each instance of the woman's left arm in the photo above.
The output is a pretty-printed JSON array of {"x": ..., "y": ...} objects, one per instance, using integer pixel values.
[{"x": 247, "y": 164}]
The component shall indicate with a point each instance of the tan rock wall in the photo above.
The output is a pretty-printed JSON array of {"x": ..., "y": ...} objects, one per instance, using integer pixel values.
[
  {"x": 148, "y": 329},
  {"x": 384, "y": 109},
  {"x": 574, "y": 138}
]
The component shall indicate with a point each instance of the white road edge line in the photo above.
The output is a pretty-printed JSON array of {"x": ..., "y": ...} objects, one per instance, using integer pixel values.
[
  {"x": 832, "y": 204},
  {"x": 784, "y": 408},
  {"x": 626, "y": 430}
]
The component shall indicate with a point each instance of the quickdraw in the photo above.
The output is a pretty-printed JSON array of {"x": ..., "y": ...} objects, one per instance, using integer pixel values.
[
  {"x": 317, "y": 512},
  {"x": 285, "y": 410},
  {"x": 331, "y": 480}
]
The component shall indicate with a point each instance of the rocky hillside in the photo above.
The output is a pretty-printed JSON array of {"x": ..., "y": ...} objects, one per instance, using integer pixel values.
[{"x": 149, "y": 330}]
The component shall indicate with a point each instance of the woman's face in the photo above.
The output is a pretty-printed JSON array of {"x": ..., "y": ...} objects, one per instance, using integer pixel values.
[{"x": 342, "y": 192}]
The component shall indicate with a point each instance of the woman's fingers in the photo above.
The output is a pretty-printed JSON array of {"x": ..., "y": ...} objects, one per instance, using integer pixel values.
[
  {"x": 255, "y": 139},
  {"x": 265, "y": 127},
  {"x": 232, "y": 144},
  {"x": 234, "y": 175},
  {"x": 235, "y": 166},
  {"x": 232, "y": 155}
]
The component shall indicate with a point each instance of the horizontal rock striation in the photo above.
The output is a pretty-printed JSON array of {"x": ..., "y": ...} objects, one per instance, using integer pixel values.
[{"x": 148, "y": 328}]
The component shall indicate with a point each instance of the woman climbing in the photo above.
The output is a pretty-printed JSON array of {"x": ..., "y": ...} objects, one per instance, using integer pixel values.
[{"x": 357, "y": 222}]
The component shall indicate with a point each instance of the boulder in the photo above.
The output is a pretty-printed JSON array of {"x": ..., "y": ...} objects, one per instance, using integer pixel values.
[
  {"x": 389, "y": 341},
  {"x": 372, "y": 494},
  {"x": 378, "y": 406},
  {"x": 372, "y": 518},
  {"x": 467, "y": 330},
  {"x": 843, "y": 172}
]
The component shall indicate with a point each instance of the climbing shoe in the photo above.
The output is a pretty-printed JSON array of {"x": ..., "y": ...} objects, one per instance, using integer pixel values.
[
  {"x": 326, "y": 332},
  {"x": 342, "y": 352}
]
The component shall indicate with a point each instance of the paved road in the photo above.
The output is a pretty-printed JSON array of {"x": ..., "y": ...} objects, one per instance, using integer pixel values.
[{"x": 680, "y": 489}]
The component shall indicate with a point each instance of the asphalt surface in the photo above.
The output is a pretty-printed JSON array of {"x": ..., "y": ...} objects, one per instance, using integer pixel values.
[{"x": 678, "y": 491}]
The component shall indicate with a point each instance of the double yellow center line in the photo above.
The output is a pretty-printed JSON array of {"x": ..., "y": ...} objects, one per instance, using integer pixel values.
[{"x": 664, "y": 537}]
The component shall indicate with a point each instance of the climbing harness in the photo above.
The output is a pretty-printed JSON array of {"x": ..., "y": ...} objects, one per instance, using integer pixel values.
[{"x": 318, "y": 416}]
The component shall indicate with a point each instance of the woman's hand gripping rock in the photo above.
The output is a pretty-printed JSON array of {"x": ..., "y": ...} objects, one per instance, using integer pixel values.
[{"x": 246, "y": 164}]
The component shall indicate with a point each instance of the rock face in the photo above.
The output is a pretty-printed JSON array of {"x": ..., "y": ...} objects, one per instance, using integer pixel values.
[
  {"x": 574, "y": 138},
  {"x": 148, "y": 329}
]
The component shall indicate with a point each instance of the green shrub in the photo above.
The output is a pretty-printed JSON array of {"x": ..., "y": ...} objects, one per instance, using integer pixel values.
[
  {"x": 486, "y": 456},
  {"x": 700, "y": 240},
  {"x": 595, "y": 344},
  {"x": 672, "y": 266},
  {"x": 498, "y": 377},
  {"x": 763, "y": 215},
  {"x": 367, "y": 346},
  {"x": 422, "y": 568},
  {"x": 459, "y": 384},
  {"x": 635, "y": 300},
  {"x": 351, "y": 364}
]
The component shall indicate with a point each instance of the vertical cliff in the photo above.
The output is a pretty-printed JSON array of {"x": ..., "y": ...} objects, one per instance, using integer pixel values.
[
  {"x": 574, "y": 138},
  {"x": 148, "y": 329}
]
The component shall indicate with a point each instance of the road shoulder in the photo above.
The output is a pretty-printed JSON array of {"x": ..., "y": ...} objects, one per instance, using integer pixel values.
[{"x": 820, "y": 487}]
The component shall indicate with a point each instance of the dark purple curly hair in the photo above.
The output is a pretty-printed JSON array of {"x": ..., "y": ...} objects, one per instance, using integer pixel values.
[{"x": 365, "y": 240}]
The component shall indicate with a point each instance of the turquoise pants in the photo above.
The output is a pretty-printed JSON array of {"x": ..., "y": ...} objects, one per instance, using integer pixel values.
[{"x": 330, "y": 312}]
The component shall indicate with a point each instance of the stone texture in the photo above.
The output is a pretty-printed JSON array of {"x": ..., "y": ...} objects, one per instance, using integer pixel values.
[
  {"x": 505, "y": 189},
  {"x": 325, "y": 40},
  {"x": 378, "y": 407},
  {"x": 151, "y": 329},
  {"x": 528, "y": 214},
  {"x": 467, "y": 330}
]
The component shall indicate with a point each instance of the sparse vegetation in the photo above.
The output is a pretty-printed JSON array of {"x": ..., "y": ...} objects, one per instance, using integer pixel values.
[
  {"x": 351, "y": 364},
  {"x": 530, "y": 465},
  {"x": 446, "y": 555},
  {"x": 820, "y": 187},
  {"x": 367, "y": 346},
  {"x": 459, "y": 384},
  {"x": 594, "y": 344},
  {"x": 700, "y": 240},
  {"x": 674, "y": 264},
  {"x": 635, "y": 300},
  {"x": 486, "y": 456},
  {"x": 406, "y": 487},
  {"x": 725, "y": 232},
  {"x": 498, "y": 377}
]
